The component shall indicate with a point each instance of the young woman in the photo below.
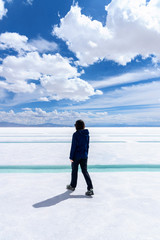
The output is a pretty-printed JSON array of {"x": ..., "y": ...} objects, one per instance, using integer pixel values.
[{"x": 79, "y": 155}]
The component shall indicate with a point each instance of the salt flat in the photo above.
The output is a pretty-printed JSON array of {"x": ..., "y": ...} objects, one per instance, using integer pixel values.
[
  {"x": 36, "y": 206},
  {"x": 51, "y": 146},
  {"x": 125, "y": 206}
]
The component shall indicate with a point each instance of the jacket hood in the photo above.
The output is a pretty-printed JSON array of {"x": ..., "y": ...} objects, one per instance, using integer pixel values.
[{"x": 84, "y": 132}]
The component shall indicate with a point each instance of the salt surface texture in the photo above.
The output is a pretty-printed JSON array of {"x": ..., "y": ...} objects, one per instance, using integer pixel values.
[
  {"x": 34, "y": 206},
  {"x": 126, "y": 206},
  {"x": 51, "y": 146}
]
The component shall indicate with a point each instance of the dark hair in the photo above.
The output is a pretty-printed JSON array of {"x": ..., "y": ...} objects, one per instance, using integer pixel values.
[{"x": 79, "y": 125}]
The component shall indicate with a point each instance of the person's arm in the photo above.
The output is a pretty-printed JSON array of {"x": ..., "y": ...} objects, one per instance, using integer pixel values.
[
  {"x": 88, "y": 145},
  {"x": 73, "y": 148}
]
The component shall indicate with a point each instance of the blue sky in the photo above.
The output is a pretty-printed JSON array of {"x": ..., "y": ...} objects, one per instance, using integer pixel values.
[{"x": 94, "y": 60}]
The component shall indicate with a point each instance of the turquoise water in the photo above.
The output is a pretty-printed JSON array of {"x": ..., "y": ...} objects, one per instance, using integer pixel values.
[
  {"x": 91, "y": 168},
  {"x": 61, "y": 138}
]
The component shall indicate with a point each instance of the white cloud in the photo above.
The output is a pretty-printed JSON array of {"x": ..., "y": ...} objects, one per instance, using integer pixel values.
[
  {"x": 42, "y": 45},
  {"x": 57, "y": 78},
  {"x": 21, "y": 44},
  {"x": 43, "y": 99},
  {"x": 136, "y": 96},
  {"x": 132, "y": 28},
  {"x": 3, "y": 93},
  {"x": 30, "y": 2},
  {"x": 39, "y": 116},
  {"x": 73, "y": 88},
  {"x": 3, "y": 10},
  {"x": 130, "y": 77},
  {"x": 82, "y": 35},
  {"x": 142, "y": 94}
]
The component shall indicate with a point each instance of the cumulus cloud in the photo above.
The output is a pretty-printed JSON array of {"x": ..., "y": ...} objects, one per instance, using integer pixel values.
[
  {"x": 132, "y": 28},
  {"x": 13, "y": 40},
  {"x": 21, "y": 44},
  {"x": 39, "y": 116},
  {"x": 3, "y": 10},
  {"x": 56, "y": 78},
  {"x": 42, "y": 45},
  {"x": 73, "y": 88}
]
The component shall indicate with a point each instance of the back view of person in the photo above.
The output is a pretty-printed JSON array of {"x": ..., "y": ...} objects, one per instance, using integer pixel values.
[{"x": 79, "y": 155}]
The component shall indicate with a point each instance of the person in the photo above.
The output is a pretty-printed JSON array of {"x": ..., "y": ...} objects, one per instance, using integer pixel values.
[{"x": 79, "y": 155}]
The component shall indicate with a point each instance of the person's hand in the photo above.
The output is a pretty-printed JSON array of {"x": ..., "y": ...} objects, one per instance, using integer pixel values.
[{"x": 71, "y": 160}]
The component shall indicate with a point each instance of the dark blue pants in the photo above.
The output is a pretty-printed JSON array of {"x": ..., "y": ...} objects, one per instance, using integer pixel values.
[{"x": 74, "y": 175}]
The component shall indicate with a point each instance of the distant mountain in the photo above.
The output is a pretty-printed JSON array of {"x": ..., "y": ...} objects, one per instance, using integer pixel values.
[{"x": 9, "y": 124}]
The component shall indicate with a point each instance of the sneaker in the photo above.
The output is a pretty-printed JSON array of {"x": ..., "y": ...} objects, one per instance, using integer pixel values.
[
  {"x": 69, "y": 187},
  {"x": 89, "y": 192}
]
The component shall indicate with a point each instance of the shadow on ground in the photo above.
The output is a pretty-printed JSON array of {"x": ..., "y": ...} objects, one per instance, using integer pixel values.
[{"x": 57, "y": 199}]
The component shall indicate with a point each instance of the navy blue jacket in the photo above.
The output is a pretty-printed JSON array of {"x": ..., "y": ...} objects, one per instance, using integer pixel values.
[{"x": 80, "y": 145}]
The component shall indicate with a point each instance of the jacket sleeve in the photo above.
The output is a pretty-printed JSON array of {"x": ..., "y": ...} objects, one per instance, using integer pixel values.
[
  {"x": 73, "y": 147},
  {"x": 88, "y": 145}
]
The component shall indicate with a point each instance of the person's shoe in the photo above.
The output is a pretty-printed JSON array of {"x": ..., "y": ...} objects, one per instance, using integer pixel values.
[
  {"x": 89, "y": 192},
  {"x": 69, "y": 187}
]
